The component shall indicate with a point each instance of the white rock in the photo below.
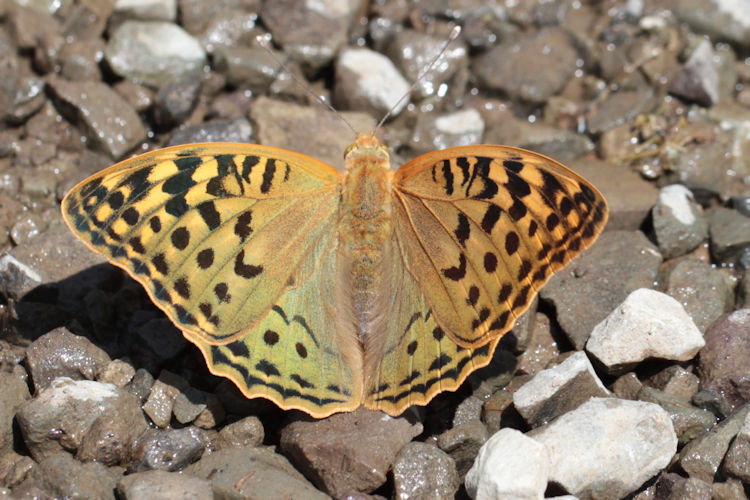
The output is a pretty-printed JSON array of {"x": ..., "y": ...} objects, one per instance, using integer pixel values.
[
  {"x": 570, "y": 383},
  {"x": 648, "y": 324},
  {"x": 608, "y": 447},
  {"x": 466, "y": 125},
  {"x": 677, "y": 198},
  {"x": 153, "y": 52},
  {"x": 510, "y": 465},
  {"x": 368, "y": 81},
  {"x": 154, "y": 10}
]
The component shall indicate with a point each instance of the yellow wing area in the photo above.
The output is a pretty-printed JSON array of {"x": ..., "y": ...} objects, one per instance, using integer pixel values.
[
  {"x": 483, "y": 228},
  {"x": 227, "y": 240}
]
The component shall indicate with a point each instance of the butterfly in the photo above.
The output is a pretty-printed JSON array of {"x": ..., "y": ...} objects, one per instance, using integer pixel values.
[{"x": 325, "y": 291}]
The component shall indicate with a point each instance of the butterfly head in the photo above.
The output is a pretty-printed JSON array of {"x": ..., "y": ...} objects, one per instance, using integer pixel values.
[{"x": 367, "y": 144}]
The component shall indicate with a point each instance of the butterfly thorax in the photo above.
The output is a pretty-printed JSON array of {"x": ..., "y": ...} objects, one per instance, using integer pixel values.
[{"x": 366, "y": 229}]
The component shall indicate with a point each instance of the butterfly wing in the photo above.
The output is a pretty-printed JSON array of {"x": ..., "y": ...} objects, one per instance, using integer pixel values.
[
  {"x": 482, "y": 228},
  {"x": 231, "y": 241}
]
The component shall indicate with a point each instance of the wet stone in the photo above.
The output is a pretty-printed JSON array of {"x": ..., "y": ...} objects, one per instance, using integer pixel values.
[
  {"x": 509, "y": 465},
  {"x": 244, "y": 432},
  {"x": 462, "y": 443},
  {"x": 726, "y": 356},
  {"x": 648, "y": 324},
  {"x": 627, "y": 386},
  {"x": 59, "y": 417},
  {"x": 468, "y": 410},
  {"x": 704, "y": 290},
  {"x": 495, "y": 408},
  {"x": 236, "y": 130},
  {"x": 347, "y": 450},
  {"x": 60, "y": 353},
  {"x": 141, "y": 384},
  {"x": 678, "y": 221},
  {"x": 229, "y": 28},
  {"x": 599, "y": 280},
  {"x": 164, "y": 485},
  {"x": 702, "y": 456},
  {"x": 515, "y": 68},
  {"x": 689, "y": 422},
  {"x": 250, "y": 68},
  {"x": 188, "y": 404},
  {"x": 720, "y": 20},
  {"x": 557, "y": 390},
  {"x": 675, "y": 486},
  {"x": 607, "y": 447},
  {"x": 730, "y": 490},
  {"x": 162, "y": 397},
  {"x": 368, "y": 81},
  {"x": 145, "y": 10},
  {"x": 252, "y": 472},
  {"x": 13, "y": 394},
  {"x": 195, "y": 15},
  {"x": 713, "y": 401},
  {"x": 675, "y": 380},
  {"x": 168, "y": 449},
  {"x": 421, "y": 470},
  {"x": 730, "y": 235},
  {"x": 542, "y": 347},
  {"x": 111, "y": 124},
  {"x": 117, "y": 372},
  {"x": 176, "y": 100},
  {"x": 80, "y": 61},
  {"x": 139, "y": 96},
  {"x": 153, "y": 53},
  {"x": 107, "y": 441},
  {"x": 699, "y": 79},
  {"x": 14, "y": 468}
]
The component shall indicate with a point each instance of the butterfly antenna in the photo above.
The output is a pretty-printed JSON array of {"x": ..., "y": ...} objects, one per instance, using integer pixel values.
[
  {"x": 284, "y": 68},
  {"x": 453, "y": 35}
]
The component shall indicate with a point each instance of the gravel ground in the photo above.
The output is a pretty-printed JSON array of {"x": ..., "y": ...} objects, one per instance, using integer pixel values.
[{"x": 629, "y": 377}]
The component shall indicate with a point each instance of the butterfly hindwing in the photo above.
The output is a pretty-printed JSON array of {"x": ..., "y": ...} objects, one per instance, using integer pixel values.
[{"x": 484, "y": 227}]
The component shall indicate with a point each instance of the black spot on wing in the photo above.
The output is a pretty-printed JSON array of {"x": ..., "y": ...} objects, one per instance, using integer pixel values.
[{"x": 463, "y": 230}]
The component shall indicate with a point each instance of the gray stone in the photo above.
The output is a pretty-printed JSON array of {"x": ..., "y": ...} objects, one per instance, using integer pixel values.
[
  {"x": 236, "y": 130},
  {"x": 607, "y": 448},
  {"x": 699, "y": 79},
  {"x": 648, "y": 324},
  {"x": 730, "y": 235},
  {"x": 176, "y": 100},
  {"x": 60, "y": 353},
  {"x": 347, "y": 450},
  {"x": 162, "y": 397},
  {"x": 110, "y": 122},
  {"x": 557, "y": 390},
  {"x": 251, "y": 68},
  {"x": 62, "y": 476},
  {"x": 737, "y": 460},
  {"x": 509, "y": 465},
  {"x": 599, "y": 280},
  {"x": 459, "y": 128},
  {"x": 679, "y": 223},
  {"x": 688, "y": 421},
  {"x": 164, "y": 485},
  {"x": 107, "y": 441},
  {"x": 719, "y": 19},
  {"x": 245, "y": 432},
  {"x": 168, "y": 449},
  {"x": 462, "y": 443},
  {"x": 252, "y": 472},
  {"x": 153, "y": 53},
  {"x": 59, "y": 417},
  {"x": 14, "y": 393},
  {"x": 144, "y": 10},
  {"x": 421, "y": 470}
]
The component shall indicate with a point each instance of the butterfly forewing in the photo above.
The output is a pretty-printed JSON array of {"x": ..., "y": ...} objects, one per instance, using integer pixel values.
[{"x": 484, "y": 227}]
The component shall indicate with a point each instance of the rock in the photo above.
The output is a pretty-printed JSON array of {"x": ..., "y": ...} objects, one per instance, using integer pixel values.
[
  {"x": 462, "y": 443},
  {"x": 314, "y": 33},
  {"x": 648, "y": 324},
  {"x": 675, "y": 380},
  {"x": 248, "y": 67},
  {"x": 145, "y": 10},
  {"x": 176, "y": 100},
  {"x": 699, "y": 79},
  {"x": 117, "y": 372},
  {"x": 109, "y": 121},
  {"x": 702, "y": 456},
  {"x": 675, "y": 486},
  {"x": 737, "y": 460},
  {"x": 168, "y": 449},
  {"x": 421, "y": 470},
  {"x": 60, "y": 353},
  {"x": 62, "y": 476},
  {"x": 412, "y": 52},
  {"x": 562, "y": 145},
  {"x": 107, "y": 441},
  {"x": 687, "y": 420},
  {"x": 306, "y": 129},
  {"x": 730, "y": 490},
  {"x": 229, "y": 28},
  {"x": 599, "y": 280},
  {"x": 14, "y": 393},
  {"x": 629, "y": 196},
  {"x": 164, "y": 485},
  {"x": 235, "y": 130},
  {"x": 80, "y": 61},
  {"x": 460, "y": 128},
  {"x": 618, "y": 108},
  {"x": 705, "y": 291},
  {"x": 58, "y": 418},
  {"x": 627, "y": 386},
  {"x": 515, "y": 67},
  {"x": 719, "y": 19},
  {"x": 153, "y": 53},
  {"x": 162, "y": 397},
  {"x": 542, "y": 347},
  {"x": 678, "y": 221},
  {"x": 15, "y": 469},
  {"x": 245, "y": 432},
  {"x": 347, "y": 450},
  {"x": 607, "y": 447},
  {"x": 509, "y": 465},
  {"x": 252, "y": 472},
  {"x": 724, "y": 360},
  {"x": 368, "y": 81},
  {"x": 730, "y": 235},
  {"x": 558, "y": 390},
  {"x": 141, "y": 384}
]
